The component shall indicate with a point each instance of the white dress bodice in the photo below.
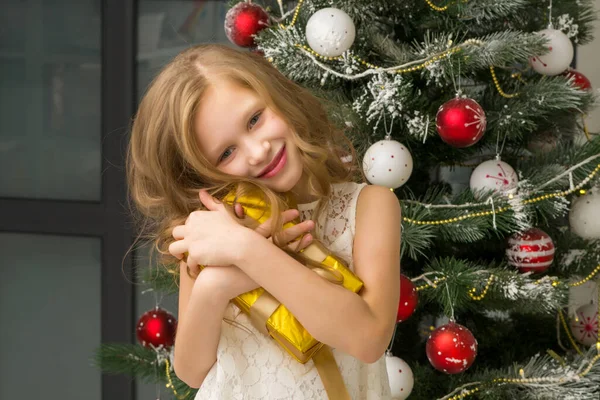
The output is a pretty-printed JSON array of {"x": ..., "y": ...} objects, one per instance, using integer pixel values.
[{"x": 250, "y": 365}]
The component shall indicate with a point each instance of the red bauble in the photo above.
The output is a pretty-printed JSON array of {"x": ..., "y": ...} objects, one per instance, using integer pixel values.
[
  {"x": 532, "y": 250},
  {"x": 580, "y": 80},
  {"x": 243, "y": 21},
  {"x": 451, "y": 348},
  {"x": 156, "y": 328},
  {"x": 460, "y": 122},
  {"x": 408, "y": 299}
]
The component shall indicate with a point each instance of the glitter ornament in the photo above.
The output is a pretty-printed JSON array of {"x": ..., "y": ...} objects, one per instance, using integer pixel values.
[
  {"x": 409, "y": 299},
  {"x": 583, "y": 216},
  {"x": 451, "y": 348},
  {"x": 243, "y": 21},
  {"x": 460, "y": 122},
  {"x": 558, "y": 59},
  {"x": 532, "y": 250},
  {"x": 493, "y": 175},
  {"x": 584, "y": 326},
  {"x": 400, "y": 377},
  {"x": 388, "y": 163},
  {"x": 330, "y": 32},
  {"x": 579, "y": 79},
  {"x": 156, "y": 328}
]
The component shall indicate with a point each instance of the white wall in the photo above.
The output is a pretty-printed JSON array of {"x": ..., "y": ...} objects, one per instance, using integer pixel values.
[{"x": 588, "y": 63}]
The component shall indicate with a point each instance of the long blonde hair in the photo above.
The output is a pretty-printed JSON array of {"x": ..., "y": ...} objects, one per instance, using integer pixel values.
[{"x": 165, "y": 167}]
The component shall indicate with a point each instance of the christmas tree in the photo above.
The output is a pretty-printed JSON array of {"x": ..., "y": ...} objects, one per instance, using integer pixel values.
[{"x": 470, "y": 111}]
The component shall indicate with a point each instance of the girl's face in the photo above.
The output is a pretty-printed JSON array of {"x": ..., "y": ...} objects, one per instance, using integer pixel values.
[{"x": 241, "y": 136}]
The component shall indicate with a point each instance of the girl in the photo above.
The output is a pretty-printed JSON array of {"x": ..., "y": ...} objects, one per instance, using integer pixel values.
[{"x": 215, "y": 117}]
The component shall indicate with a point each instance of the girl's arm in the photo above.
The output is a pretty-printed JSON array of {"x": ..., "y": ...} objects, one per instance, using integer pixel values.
[
  {"x": 360, "y": 325},
  {"x": 201, "y": 311}
]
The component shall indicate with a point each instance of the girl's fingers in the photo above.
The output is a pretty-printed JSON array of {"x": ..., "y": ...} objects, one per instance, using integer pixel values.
[
  {"x": 301, "y": 244},
  {"x": 178, "y": 247},
  {"x": 239, "y": 210},
  {"x": 209, "y": 202},
  {"x": 191, "y": 263},
  {"x": 179, "y": 232},
  {"x": 294, "y": 232},
  {"x": 288, "y": 215}
]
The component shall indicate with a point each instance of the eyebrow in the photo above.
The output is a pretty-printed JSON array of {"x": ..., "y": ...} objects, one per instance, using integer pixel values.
[{"x": 252, "y": 104}]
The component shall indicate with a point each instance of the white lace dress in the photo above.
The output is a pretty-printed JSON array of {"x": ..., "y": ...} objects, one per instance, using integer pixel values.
[{"x": 252, "y": 366}]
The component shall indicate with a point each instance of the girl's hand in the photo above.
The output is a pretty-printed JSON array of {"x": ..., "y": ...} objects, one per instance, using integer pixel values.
[
  {"x": 208, "y": 237},
  {"x": 183, "y": 233},
  {"x": 297, "y": 237}
]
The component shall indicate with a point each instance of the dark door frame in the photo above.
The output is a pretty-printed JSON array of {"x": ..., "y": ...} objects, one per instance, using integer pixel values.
[{"x": 109, "y": 219}]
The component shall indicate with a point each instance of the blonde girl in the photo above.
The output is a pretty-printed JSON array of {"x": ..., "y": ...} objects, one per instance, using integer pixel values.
[{"x": 216, "y": 117}]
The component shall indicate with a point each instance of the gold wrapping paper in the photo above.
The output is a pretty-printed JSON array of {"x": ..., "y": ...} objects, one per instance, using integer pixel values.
[{"x": 281, "y": 325}]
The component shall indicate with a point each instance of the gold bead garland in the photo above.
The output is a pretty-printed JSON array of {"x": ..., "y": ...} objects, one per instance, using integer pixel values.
[
  {"x": 587, "y": 278},
  {"x": 434, "y": 283},
  {"x": 170, "y": 384},
  {"x": 433, "y": 59},
  {"x": 437, "y": 8},
  {"x": 469, "y": 392},
  {"x": 485, "y": 289},
  {"x": 503, "y": 209},
  {"x": 568, "y": 332},
  {"x": 295, "y": 17},
  {"x": 497, "y": 84},
  {"x": 492, "y": 278}
]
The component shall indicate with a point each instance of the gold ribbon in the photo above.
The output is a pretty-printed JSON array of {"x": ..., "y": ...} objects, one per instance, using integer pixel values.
[
  {"x": 261, "y": 311},
  {"x": 328, "y": 370},
  {"x": 330, "y": 375},
  {"x": 266, "y": 304}
]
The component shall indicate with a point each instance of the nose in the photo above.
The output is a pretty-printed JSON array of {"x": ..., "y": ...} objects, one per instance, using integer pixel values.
[{"x": 258, "y": 151}]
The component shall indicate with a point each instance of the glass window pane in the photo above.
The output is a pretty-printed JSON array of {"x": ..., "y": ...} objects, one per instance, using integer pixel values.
[
  {"x": 166, "y": 27},
  {"x": 50, "y": 99},
  {"x": 50, "y": 313}
]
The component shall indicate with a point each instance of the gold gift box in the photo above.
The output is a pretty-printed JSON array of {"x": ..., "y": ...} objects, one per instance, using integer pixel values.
[{"x": 280, "y": 324}]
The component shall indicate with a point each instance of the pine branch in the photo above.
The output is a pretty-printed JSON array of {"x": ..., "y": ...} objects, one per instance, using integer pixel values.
[
  {"x": 508, "y": 290},
  {"x": 146, "y": 364}
]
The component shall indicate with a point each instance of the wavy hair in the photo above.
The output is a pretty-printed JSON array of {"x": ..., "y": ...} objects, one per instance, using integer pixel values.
[{"x": 166, "y": 169}]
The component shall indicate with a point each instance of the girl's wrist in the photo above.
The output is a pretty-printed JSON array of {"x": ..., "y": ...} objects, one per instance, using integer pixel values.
[
  {"x": 210, "y": 289},
  {"x": 245, "y": 246}
]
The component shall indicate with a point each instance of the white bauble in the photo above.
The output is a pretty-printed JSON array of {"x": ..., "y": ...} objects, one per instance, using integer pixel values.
[
  {"x": 583, "y": 216},
  {"x": 330, "y": 32},
  {"x": 400, "y": 376},
  {"x": 558, "y": 59},
  {"x": 388, "y": 163},
  {"x": 584, "y": 326},
  {"x": 493, "y": 175}
]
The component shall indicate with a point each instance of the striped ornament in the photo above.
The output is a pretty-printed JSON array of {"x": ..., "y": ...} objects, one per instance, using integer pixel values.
[{"x": 532, "y": 250}]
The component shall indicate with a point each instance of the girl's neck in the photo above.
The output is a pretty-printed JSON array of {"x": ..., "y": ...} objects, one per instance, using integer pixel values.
[{"x": 302, "y": 191}]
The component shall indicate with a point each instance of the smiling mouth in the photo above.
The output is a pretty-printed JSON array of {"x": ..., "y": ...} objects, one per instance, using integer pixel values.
[{"x": 273, "y": 163}]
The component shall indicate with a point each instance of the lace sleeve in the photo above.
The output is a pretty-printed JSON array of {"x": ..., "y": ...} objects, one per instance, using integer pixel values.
[{"x": 337, "y": 223}]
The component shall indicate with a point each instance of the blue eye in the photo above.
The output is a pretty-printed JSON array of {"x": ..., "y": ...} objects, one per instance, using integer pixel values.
[
  {"x": 226, "y": 154},
  {"x": 254, "y": 120}
]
